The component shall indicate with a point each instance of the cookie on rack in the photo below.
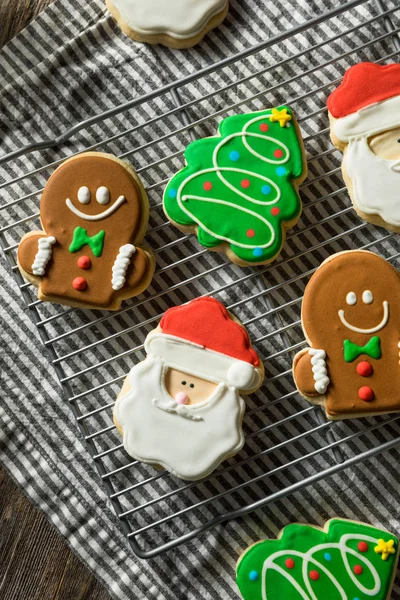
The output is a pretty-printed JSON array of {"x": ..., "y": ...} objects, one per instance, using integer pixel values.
[
  {"x": 239, "y": 191},
  {"x": 94, "y": 212},
  {"x": 364, "y": 113},
  {"x": 351, "y": 320},
  {"x": 181, "y": 408},
  {"x": 173, "y": 23},
  {"x": 345, "y": 560}
]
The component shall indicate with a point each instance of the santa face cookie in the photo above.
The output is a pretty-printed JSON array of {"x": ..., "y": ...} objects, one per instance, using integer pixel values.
[
  {"x": 239, "y": 191},
  {"x": 344, "y": 561},
  {"x": 351, "y": 319},
  {"x": 93, "y": 212},
  {"x": 173, "y": 23},
  {"x": 181, "y": 408},
  {"x": 365, "y": 126}
]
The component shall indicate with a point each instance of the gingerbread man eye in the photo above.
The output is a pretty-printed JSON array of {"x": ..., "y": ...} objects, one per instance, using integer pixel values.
[
  {"x": 103, "y": 195},
  {"x": 367, "y": 297},
  {"x": 351, "y": 299},
  {"x": 84, "y": 195}
]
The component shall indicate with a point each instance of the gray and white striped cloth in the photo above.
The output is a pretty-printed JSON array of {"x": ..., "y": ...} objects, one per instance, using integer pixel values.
[{"x": 72, "y": 63}]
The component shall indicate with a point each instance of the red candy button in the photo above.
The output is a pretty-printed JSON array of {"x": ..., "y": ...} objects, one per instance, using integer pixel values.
[
  {"x": 289, "y": 563},
  {"x": 362, "y": 546},
  {"x": 358, "y": 569},
  {"x": 366, "y": 393},
  {"x": 314, "y": 575},
  {"x": 84, "y": 262},
  {"x": 79, "y": 283},
  {"x": 364, "y": 368}
]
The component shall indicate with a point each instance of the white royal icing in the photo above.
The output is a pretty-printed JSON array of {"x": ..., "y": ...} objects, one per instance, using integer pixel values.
[
  {"x": 181, "y": 199},
  {"x": 43, "y": 255},
  {"x": 309, "y": 562},
  {"x": 171, "y": 406},
  {"x": 190, "y": 448},
  {"x": 180, "y": 19},
  {"x": 378, "y": 327},
  {"x": 375, "y": 181},
  {"x": 369, "y": 121},
  {"x": 121, "y": 265},
  {"x": 103, "y": 195},
  {"x": 84, "y": 194},
  {"x": 98, "y": 217},
  {"x": 320, "y": 372}
]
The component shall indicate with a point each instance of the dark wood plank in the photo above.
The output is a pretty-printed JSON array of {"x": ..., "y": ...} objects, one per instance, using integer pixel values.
[{"x": 16, "y": 14}]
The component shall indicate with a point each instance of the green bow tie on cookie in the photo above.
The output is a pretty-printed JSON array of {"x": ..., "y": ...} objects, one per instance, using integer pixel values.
[
  {"x": 353, "y": 351},
  {"x": 345, "y": 560},
  {"x": 81, "y": 238}
]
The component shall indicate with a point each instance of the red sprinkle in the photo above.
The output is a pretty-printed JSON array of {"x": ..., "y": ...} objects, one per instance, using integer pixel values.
[
  {"x": 250, "y": 233},
  {"x": 364, "y": 368},
  {"x": 275, "y": 211},
  {"x": 362, "y": 546},
  {"x": 366, "y": 393},
  {"x": 314, "y": 575},
  {"x": 84, "y": 262},
  {"x": 278, "y": 153},
  {"x": 358, "y": 569},
  {"x": 289, "y": 562},
  {"x": 264, "y": 127},
  {"x": 207, "y": 186},
  {"x": 245, "y": 183},
  {"x": 79, "y": 284}
]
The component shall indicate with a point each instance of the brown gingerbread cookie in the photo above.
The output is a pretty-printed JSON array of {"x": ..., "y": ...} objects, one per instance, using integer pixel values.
[
  {"x": 351, "y": 319},
  {"x": 94, "y": 212}
]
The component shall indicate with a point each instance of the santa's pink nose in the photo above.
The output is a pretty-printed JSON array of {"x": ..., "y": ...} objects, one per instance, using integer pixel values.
[{"x": 181, "y": 398}]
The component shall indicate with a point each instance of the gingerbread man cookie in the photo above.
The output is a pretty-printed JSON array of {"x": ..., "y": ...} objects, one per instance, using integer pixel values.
[
  {"x": 351, "y": 319},
  {"x": 344, "y": 561},
  {"x": 94, "y": 212},
  {"x": 365, "y": 126},
  {"x": 173, "y": 23},
  {"x": 239, "y": 191},
  {"x": 180, "y": 408}
]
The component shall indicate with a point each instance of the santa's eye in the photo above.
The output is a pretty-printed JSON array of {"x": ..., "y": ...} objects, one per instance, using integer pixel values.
[
  {"x": 367, "y": 297},
  {"x": 351, "y": 298},
  {"x": 84, "y": 195},
  {"x": 191, "y": 385},
  {"x": 398, "y": 141},
  {"x": 103, "y": 195},
  {"x": 183, "y": 382}
]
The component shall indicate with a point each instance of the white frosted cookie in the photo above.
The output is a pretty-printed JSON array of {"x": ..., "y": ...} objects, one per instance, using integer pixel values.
[{"x": 173, "y": 23}]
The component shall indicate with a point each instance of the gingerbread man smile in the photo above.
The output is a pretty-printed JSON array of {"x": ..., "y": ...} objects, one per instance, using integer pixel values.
[
  {"x": 102, "y": 197},
  {"x": 351, "y": 299}
]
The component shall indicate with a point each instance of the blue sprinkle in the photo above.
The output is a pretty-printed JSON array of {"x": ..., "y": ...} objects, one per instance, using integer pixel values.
[
  {"x": 172, "y": 193},
  {"x": 327, "y": 556},
  {"x": 253, "y": 575},
  {"x": 356, "y": 599},
  {"x": 234, "y": 155},
  {"x": 257, "y": 251},
  {"x": 266, "y": 189},
  {"x": 280, "y": 171}
]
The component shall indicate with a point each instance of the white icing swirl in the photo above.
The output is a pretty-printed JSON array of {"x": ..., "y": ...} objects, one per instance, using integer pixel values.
[
  {"x": 121, "y": 265},
  {"x": 320, "y": 372},
  {"x": 43, "y": 255}
]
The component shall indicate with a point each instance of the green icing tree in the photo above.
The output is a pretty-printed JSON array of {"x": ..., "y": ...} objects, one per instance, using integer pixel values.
[
  {"x": 237, "y": 188},
  {"x": 351, "y": 561}
]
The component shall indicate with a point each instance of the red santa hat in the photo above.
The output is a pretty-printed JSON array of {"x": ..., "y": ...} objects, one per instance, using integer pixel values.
[
  {"x": 202, "y": 339},
  {"x": 367, "y": 101}
]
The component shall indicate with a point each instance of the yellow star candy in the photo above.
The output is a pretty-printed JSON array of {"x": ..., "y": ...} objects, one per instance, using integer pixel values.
[
  {"x": 385, "y": 548},
  {"x": 280, "y": 116}
]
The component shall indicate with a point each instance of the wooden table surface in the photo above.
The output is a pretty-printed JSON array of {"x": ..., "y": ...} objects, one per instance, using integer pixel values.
[{"x": 35, "y": 561}]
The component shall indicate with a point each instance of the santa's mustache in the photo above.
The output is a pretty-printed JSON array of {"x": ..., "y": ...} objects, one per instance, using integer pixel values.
[
  {"x": 396, "y": 167},
  {"x": 179, "y": 409}
]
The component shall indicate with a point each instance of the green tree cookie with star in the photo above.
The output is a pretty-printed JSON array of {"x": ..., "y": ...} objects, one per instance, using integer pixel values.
[{"x": 240, "y": 188}]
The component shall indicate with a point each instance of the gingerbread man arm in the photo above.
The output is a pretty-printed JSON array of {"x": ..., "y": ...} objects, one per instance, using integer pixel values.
[
  {"x": 310, "y": 372},
  {"x": 34, "y": 252},
  {"x": 130, "y": 267}
]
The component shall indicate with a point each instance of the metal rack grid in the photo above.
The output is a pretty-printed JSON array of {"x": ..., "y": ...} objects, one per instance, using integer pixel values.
[{"x": 289, "y": 444}]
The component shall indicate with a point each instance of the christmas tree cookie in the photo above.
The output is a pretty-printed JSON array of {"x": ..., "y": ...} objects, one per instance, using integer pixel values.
[
  {"x": 239, "y": 190},
  {"x": 344, "y": 561}
]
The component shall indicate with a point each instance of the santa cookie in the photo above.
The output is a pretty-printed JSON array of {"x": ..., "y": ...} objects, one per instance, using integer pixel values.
[
  {"x": 344, "y": 561},
  {"x": 181, "y": 407},
  {"x": 174, "y": 23},
  {"x": 351, "y": 319},
  {"x": 365, "y": 126},
  {"x": 94, "y": 212},
  {"x": 239, "y": 191}
]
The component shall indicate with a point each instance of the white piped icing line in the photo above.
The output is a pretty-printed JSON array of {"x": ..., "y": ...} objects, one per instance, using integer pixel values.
[
  {"x": 121, "y": 265},
  {"x": 102, "y": 215},
  {"x": 178, "y": 409},
  {"x": 182, "y": 198},
  {"x": 309, "y": 560},
  {"x": 320, "y": 372},
  {"x": 43, "y": 255},
  {"x": 381, "y": 325}
]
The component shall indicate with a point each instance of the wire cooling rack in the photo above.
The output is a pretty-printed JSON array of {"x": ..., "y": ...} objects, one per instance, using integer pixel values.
[{"x": 289, "y": 444}]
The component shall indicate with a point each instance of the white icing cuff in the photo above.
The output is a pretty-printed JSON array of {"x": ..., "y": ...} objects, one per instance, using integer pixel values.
[
  {"x": 201, "y": 362},
  {"x": 43, "y": 255},
  {"x": 121, "y": 265},
  {"x": 370, "y": 120},
  {"x": 320, "y": 372}
]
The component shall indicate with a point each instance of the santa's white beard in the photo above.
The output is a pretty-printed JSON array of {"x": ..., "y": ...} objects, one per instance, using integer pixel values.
[
  {"x": 376, "y": 185},
  {"x": 191, "y": 444}
]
